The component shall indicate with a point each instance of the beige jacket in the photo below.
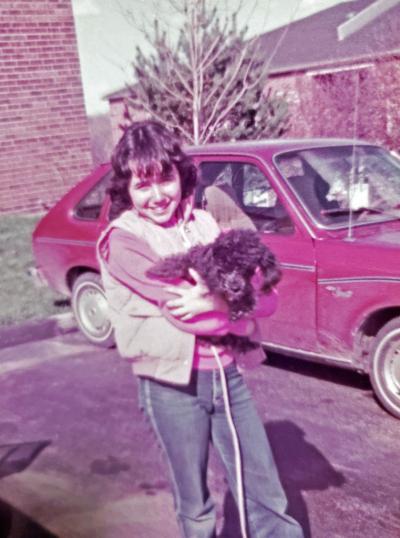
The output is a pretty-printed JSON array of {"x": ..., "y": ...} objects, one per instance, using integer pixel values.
[{"x": 155, "y": 346}]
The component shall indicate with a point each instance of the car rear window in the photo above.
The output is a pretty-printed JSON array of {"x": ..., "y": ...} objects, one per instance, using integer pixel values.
[{"x": 89, "y": 207}]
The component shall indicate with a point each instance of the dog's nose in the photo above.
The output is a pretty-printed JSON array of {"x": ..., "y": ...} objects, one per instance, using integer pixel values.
[{"x": 234, "y": 284}]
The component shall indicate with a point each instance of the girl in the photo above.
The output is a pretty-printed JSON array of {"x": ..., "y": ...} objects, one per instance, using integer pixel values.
[{"x": 157, "y": 327}]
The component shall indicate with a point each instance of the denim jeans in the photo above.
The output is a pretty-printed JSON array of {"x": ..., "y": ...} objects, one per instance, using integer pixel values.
[{"x": 185, "y": 419}]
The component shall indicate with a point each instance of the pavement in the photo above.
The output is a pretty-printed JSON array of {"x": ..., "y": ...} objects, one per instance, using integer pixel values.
[
  {"x": 77, "y": 459},
  {"x": 26, "y": 349},
  {"x": 65, "y": 471},
  {"x": 32, "y": 331}
]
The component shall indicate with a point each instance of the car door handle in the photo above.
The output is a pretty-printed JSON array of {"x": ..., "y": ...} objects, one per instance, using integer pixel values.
[{"x": 338, "y": 292}]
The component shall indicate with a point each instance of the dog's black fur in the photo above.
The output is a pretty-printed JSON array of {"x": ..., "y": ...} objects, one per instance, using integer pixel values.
[{"x": 227, "y": 266}]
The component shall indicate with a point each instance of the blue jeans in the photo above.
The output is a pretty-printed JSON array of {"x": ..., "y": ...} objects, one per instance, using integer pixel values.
[{"x": 185, "y": 419}]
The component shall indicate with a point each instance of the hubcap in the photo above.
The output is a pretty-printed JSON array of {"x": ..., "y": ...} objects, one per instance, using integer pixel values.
[
  {"x": 92, "y": 312},
  {"x": 392, "y": 369}
]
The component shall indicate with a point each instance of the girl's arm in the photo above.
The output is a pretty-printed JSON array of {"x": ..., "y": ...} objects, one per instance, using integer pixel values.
[
  {"x": 188, "y": 301},
  {"x": 128, "y": 258}
]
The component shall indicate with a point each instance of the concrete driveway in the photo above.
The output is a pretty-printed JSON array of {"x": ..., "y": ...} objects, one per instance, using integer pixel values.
[{"x": 77, "y": 460}]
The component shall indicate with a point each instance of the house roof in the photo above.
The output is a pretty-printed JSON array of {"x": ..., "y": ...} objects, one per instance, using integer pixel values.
[
  {"x": 313, "y": 42},
  {"x": 117, "y": 94}
]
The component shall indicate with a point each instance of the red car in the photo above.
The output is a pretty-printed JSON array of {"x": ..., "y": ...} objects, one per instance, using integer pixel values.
[{"x": 329, "y": 209}]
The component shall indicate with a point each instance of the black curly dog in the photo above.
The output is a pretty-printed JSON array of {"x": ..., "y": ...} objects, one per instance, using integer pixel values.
[{"x": 227, "y": 266}]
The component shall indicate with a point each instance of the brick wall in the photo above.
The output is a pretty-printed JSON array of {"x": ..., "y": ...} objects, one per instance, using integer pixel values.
[
  {"x": 324, "y": 104},
  {"x": 116, "y": 117},
  {"x": 294, "y": 87},
  {"x": 44, "y": 136}
]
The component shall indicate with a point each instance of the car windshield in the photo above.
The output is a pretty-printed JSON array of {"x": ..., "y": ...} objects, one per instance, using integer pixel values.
[{"x": 337, "y": 182}]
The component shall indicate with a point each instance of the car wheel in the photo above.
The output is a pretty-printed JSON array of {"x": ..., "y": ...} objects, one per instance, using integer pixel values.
[
  {"x": 385, "y": 366},
  {"x": 89, "y": 305}
]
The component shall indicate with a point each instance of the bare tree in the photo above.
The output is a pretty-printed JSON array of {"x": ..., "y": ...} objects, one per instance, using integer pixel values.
[{"x": 210, "y": 84}]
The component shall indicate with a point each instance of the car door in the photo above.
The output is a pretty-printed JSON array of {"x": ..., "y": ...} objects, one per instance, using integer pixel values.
[
  {"x": 262, "y": 205},
  {"x": 88, "y": 219}
]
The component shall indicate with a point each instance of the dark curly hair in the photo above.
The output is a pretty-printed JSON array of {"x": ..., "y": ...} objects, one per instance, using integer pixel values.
[{"x": 153, "y": 149}]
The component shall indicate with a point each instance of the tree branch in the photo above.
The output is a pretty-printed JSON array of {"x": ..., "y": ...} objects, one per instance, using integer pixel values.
[
  {"x": 178, "y": 74},
  {"x": 225, "y": 90},
  {"x": 159, "y": 80},
  {"x": 209, "y": 58},
  {"x": 161, "y": 119},
  {"x": 211, "y": 127}
]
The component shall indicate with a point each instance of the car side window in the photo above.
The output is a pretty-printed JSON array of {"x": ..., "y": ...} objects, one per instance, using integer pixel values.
[
  {"x": 257, "y": 192},
  {"x": 89, "y": 207},
  {"x": 239, "y": 195}
]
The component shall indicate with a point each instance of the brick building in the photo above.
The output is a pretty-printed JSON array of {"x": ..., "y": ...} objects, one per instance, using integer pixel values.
[
  {"x": 341, "y": 85},
  {"x": 335, "y": 87},
  {"x": 44, "y": 136},
  {"x": 116, "y": 100}
]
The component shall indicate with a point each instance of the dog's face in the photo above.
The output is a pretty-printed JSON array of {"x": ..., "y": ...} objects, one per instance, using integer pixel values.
[
  {"x": 233, "y": 285},
  {"x": 231, "y": 269}
]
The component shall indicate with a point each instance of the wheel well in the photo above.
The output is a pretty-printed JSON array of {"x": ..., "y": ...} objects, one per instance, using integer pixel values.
[
  {"x": 74, "y": 272},
  {"x": 369, "y": 329},
  {"x": 372, "y": 325}
]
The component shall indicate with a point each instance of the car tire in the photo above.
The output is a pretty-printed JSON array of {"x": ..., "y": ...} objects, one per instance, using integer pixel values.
[
  {"x": 89, "y": 305},
  {"x": 385, "y": 366}
]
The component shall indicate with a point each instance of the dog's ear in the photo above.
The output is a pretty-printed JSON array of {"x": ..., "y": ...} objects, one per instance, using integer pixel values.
[{"x": 270, "y": 269}]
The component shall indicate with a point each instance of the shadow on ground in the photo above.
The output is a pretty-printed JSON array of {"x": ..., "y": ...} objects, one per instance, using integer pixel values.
[
  {"x": 340, "y": 376},
  {"x": 14, "y": 458},
  {"x": 301, "y": 466},
  {"x": 15, "y": 524}
]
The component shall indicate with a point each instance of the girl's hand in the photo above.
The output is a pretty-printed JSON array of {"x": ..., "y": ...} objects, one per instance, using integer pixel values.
[{"x": 193, "y": 300}]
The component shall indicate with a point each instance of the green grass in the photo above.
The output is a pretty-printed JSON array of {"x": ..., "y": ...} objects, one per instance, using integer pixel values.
[{"x": 20, "y": 300}]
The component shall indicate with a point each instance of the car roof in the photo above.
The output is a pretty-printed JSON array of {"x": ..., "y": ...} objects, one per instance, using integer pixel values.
[{"x": 270, "y": 145}]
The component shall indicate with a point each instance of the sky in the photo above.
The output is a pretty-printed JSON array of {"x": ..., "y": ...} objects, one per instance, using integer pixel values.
[{"x": 108, "y": 34}]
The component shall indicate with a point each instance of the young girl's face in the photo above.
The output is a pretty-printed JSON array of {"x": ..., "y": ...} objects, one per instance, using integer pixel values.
[{"x": 157, "y": 197}]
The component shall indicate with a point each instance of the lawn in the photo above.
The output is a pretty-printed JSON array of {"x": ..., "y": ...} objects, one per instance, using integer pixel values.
[{"x": 20, "y": 300}]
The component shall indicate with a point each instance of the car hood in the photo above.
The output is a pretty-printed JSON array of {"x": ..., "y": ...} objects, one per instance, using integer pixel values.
[
  {"x": 386, "y": 234},
  {"x": 387, "y": 238},
  {"x": 373, "y": 251}
]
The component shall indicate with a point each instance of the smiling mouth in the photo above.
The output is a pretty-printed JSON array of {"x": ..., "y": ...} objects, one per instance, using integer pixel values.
[{"x": 160, "y": 209}]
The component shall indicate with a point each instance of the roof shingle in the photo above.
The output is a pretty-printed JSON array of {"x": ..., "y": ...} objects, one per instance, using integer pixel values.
[{"x": 313, "y": 42}]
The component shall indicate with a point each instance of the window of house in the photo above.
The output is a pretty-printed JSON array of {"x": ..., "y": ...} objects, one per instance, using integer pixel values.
[{"x": 89, "y": 207}]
